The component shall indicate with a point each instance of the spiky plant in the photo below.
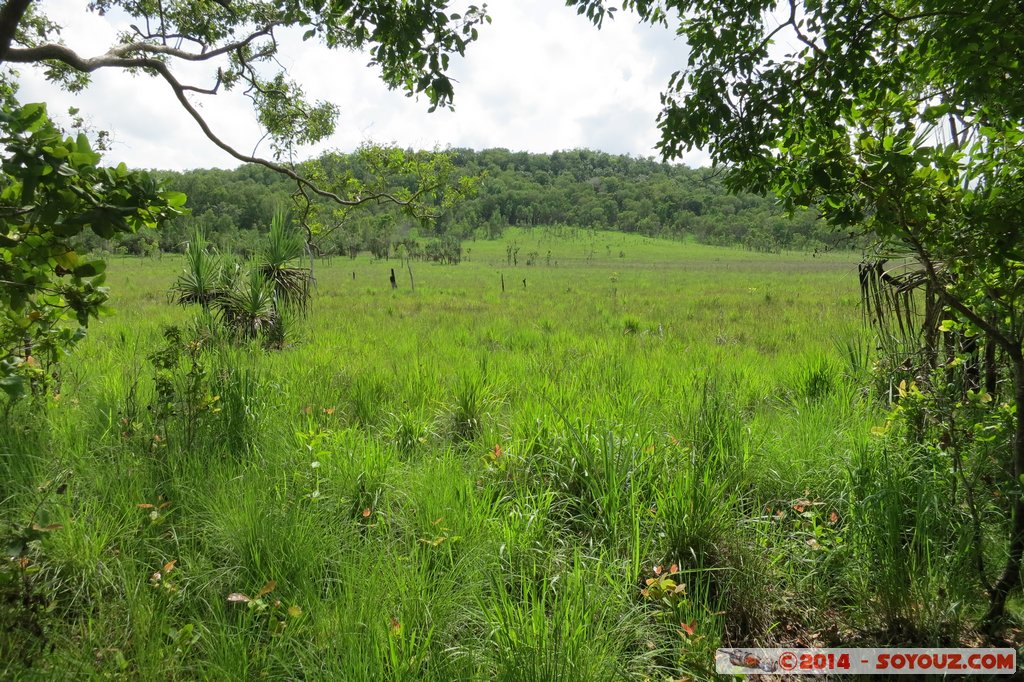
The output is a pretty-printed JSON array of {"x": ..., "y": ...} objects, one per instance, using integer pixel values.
[
  {"x": 903, "y": 307},
  {"x": 277, "y": 262},
  {"x": 249, "y": 302},
  {"x": 248, "y": 309},
  {"x": 202, "y": 281}
]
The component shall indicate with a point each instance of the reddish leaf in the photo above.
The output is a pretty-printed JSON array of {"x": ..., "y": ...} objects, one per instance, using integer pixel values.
[
  {"x": 689, "y": 628},
  {"x": 169, "y": 566},
  {"x": 366, "y": 513}
]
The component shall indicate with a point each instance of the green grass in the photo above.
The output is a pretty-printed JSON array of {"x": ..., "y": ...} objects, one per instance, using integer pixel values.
[{"x": 461, "y": 483}]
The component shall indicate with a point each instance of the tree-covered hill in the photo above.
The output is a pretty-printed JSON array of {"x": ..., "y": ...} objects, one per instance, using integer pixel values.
[{"x": 579, "y": 188}]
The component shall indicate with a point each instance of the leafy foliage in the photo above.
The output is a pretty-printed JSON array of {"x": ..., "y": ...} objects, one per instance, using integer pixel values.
[
  {"x": 276, "y": 265},
  {"x": 248, "y": 308},
  {"x": 579, "y": 188},
  {"x": 203, "y": 278},
  {"x": 52, "y": 189}
]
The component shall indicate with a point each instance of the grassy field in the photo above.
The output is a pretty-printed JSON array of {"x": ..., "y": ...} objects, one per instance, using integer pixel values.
[{"x": 647, "y": 451}]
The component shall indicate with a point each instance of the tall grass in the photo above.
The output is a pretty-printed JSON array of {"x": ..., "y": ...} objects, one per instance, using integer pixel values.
[{"x": 461, "y": 483}]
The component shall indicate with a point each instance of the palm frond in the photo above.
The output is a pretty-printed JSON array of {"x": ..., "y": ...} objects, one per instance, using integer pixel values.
[
  {"x": 902, "y": 304},
  {"x": 286, "y": 245},
  {"x": 201, "y": 282},
  {"x": 248, "y": 308}
]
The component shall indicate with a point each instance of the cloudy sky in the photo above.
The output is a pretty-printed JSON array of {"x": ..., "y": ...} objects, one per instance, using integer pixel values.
[{"x": 540, "y": 78}]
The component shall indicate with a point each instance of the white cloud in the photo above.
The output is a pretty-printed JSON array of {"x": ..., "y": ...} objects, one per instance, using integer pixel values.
[{"x": 539, "y": 79}]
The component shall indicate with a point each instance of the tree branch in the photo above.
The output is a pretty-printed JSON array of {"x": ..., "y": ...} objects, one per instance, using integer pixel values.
[
  {"x": 149, "y": 48},
  {"x": 10, "y": 17},
  {"x": 112, "y": 59},
  {"x": 1008, "y": 344}
]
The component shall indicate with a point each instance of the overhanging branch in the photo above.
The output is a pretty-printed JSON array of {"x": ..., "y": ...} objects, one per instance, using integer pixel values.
[
  {"x": 116, "y": 59},
  {"x": 10, "y": 17}
]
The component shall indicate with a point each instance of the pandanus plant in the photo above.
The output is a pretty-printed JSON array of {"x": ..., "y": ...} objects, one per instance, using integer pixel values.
[
  {"x": 254, "y": 303},
  {"x": 248, "y": 309},
  {"x": 202, "y": 281},
  {"x": 277, "y": 263}
]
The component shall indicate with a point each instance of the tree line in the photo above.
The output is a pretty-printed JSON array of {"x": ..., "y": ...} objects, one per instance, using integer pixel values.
[{"x": 579, "y": 188}]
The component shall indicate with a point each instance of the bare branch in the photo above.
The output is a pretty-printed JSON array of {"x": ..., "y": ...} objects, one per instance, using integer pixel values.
[
  {"x": 149, "y": 48},
  {"x": 791, "y": 21},
  {"x": 206, "y": 91},
  {"x": 180, "y": 37}
]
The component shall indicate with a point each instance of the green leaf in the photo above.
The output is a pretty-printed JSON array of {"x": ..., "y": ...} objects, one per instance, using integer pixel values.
[
  {"x": 13, "y": 385},
  {"x": 82, "y": 144},
  {"x": 90, "y": 269},
  {"x": 67, "y": 260},
  {"x": 174, "y": 199}
]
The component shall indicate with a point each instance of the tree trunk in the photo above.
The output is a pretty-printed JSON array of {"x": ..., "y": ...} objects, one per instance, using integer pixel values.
[
  {"x": 1010, "y": 578},
  {"x": 991, "y": 369},
  {"x": 10, "y": 17}
]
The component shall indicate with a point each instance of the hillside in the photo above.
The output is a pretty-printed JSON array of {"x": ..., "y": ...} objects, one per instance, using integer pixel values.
[{"x": 578, "y": 188}]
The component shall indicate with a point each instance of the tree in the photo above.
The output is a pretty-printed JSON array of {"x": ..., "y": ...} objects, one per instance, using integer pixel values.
[
  {"x": 902, "y": 119},
  {"x": 52, "y": 189},
  {"x": 253, "y": 301}
]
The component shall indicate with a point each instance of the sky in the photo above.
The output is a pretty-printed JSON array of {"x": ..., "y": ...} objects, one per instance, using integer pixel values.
[{"x": 540, "y": 78}]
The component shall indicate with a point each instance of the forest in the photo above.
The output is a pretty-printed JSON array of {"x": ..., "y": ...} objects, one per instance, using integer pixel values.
[{"x": 579, "y": 188}]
